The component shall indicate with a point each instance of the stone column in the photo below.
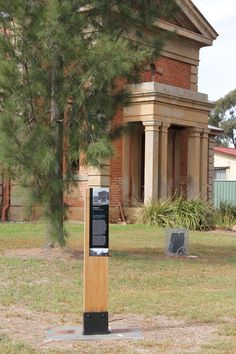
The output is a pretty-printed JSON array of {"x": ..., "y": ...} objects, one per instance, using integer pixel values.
[
  {"x": 163, "y": 176},
  {"x": 204, "y": 160},
  {"x": 136, "y": 165},
  {"x": 151, "y": 160},
  {"x": 126, "y": 169},
  {"x": 194, "y": 166}
]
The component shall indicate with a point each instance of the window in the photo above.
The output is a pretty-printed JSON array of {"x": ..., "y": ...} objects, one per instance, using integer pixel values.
[{"x": 220, "y": 173}]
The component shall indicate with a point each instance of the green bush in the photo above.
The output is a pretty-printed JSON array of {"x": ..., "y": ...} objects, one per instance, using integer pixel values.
[
  {"x": 194, "y": 214},
  {"x": 226, "y": 216},
  {"x": 225, "y": 221},
  {"x": 191, "y": 214},
  {"x": 227, "y": 209},
  {"x": 159, "y": 213}
]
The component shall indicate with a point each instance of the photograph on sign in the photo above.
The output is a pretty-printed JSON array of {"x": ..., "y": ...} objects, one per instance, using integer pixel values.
[
  {"x": 98, "y": 252},
  {"x": 99, "y": 221},
  {"x": 100, "y": 196}
]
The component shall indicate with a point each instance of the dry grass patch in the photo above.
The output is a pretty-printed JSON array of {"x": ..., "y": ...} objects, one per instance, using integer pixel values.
[
  {"x": 160, "y": 332},
  {"x": 180, "y": 305}
]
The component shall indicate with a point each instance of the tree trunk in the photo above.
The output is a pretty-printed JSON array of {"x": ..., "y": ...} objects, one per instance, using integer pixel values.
[
  {"x": 49, "y": 241},
  {"x": 55, "y": 233}
]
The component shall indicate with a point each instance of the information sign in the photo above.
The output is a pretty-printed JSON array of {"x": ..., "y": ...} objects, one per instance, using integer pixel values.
[{"x": 99, "y": 222}]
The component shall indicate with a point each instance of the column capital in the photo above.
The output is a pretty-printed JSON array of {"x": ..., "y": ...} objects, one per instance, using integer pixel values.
[
  {"x": 195, "y": 132},
  {"x": 151, "y": 125},
  {"x": 206, "y": 131},
  {"x": 164, "y": 127}
]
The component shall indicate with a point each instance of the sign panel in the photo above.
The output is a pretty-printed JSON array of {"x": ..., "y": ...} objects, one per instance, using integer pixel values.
[
  {"x": 177, "y": 242},
  {"x": 99, "y": 222}
]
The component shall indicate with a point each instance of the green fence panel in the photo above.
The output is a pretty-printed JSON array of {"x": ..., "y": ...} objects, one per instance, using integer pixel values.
[{"x": 224, "y": 191}]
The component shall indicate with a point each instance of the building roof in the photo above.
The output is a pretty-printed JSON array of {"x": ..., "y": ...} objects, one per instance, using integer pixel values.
[
  {"x": 197, "y": 18},
  {"x": 188, "y": 22},
  {"x": 225, "y": 151},
  {"x": 212, "y": 127}
]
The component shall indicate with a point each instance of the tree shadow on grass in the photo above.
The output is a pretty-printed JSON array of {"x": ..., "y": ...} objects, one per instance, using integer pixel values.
[
  {"x": 137, "y": 253},
  {"x": 208, "y": 254},
  {"x": 214, "y": 252}
]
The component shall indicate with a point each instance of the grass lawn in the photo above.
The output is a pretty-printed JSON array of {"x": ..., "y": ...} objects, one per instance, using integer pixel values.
[{"x": 180, "y": 305}]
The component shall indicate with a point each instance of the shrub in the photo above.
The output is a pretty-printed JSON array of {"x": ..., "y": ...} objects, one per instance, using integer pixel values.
[
  {"x": 225, "y": 221},
  {"x": 159, "y": 213},
  {"x": 227, "y": 208},
  {"x": 226, "y": 216},
  {"x": 191, "y": 214}
]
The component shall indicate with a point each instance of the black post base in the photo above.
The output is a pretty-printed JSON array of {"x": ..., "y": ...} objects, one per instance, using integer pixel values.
[{"x": 95, "y": 323}]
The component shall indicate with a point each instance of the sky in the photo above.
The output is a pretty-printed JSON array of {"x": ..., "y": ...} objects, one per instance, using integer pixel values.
[{"x": 217, "y": 69}]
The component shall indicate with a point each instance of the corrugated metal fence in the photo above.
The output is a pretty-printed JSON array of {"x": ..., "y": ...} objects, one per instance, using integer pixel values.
[{"x": 224, "y": 191}]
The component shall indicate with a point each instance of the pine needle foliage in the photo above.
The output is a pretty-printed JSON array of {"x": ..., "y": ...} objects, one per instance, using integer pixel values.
[{"x": 59, "y": 61}]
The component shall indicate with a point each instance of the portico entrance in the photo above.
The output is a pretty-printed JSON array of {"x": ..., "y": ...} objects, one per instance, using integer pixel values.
[
  {"x": 164, "y": 163},
  {"x": 166, "y": 149}
]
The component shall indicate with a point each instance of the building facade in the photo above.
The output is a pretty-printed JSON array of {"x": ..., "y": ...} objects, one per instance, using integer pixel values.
[
  {"x": 225, "y": 163},
  {"x": 168, "y": 147}
]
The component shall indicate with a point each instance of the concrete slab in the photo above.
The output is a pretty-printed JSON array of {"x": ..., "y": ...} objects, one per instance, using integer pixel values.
[{"x": 69, "y": 333}]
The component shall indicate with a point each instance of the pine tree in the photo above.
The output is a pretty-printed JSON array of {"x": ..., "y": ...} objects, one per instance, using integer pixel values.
[{"x": 59, "y": 61}]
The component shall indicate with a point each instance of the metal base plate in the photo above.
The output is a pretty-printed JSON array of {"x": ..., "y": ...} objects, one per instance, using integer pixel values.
[
  {"x": 69, "y": 333},
  {"x": 95, "y": 323}
]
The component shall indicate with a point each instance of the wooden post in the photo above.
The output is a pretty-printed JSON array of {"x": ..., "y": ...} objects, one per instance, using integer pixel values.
[{"x": 95, "y": 264}]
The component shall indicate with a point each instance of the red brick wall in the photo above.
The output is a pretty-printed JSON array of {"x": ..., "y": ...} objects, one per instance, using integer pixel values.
[
  {"x": 170, "y": 72},
  {"x": 75, "y": 197},
  {"x": 116, "y": 166}
]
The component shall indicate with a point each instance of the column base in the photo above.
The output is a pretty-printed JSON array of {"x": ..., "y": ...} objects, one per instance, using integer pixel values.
[{"x": 95, "y": 323}]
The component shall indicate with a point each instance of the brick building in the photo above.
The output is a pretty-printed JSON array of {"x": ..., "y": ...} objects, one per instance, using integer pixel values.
[{"x": 169, "y": 148}]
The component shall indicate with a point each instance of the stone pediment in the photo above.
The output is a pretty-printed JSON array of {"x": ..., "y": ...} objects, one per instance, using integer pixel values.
[{"x": 190, "y": 23}]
